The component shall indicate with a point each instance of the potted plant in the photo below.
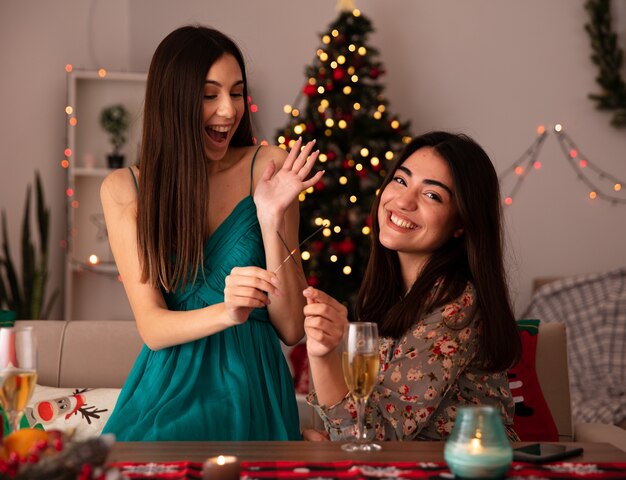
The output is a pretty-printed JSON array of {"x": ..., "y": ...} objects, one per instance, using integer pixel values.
[
  {"x": 23, "y": 297},
  {"x": 115, "y": 120}
]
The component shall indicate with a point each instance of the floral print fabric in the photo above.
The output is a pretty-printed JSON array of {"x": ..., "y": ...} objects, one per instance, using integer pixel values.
[{"x": 424, "y": 376}]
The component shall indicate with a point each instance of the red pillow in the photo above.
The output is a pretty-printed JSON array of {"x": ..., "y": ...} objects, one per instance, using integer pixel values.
[{"x": 533, "y": 420}]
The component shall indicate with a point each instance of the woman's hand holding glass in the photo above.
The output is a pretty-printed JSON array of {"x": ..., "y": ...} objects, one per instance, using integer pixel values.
[
  {"x": 18, "y": 371},
  {"x": 329, "y": 333}
]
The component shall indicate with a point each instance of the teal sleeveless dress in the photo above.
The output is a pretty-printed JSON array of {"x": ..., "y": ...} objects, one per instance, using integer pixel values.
[{"x": 232, "y": 385}]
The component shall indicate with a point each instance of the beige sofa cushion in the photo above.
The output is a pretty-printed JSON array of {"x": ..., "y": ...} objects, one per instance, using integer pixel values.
[{"x": 85, "y": 353}]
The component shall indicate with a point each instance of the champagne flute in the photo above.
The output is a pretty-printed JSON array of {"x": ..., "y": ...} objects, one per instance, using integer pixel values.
[
  {"x": 360, "y": 370},
  {"x": 18, "y": 371}
]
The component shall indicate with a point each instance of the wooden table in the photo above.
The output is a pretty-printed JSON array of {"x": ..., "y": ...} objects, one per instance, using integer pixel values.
[{"x": 313, "y": 452}]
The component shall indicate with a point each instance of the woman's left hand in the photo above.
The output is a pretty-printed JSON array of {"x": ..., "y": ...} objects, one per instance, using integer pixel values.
[{"x": 277, "y": 190}]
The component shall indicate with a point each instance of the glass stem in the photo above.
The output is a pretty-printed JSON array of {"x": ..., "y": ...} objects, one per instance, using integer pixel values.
[
  {"x": 14, "y": 420},
  {"x": 361, "y": 435}
]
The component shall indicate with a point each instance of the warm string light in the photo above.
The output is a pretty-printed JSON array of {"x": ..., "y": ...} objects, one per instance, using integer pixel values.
[
  {"x": 581, "y": 165},
  {"x": 340, "y": 104},
  {"x": 522, "y": 166},
  {"x": 578, "y": 162}
]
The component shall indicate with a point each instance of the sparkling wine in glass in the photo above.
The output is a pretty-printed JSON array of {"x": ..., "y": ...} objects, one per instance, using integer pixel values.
[
  {"x": 360, "y": 370},
  {"x": 18, "y": 371}
]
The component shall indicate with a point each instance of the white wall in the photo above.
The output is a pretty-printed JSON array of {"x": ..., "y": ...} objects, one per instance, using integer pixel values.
[{"x": 492, "y": 68}]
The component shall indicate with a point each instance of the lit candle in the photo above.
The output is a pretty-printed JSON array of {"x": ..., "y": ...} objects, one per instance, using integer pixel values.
[
  {"x": 478, "y": 447},
  {"x": 221, "y": 468},
  {"x": 475, "y": 447}
]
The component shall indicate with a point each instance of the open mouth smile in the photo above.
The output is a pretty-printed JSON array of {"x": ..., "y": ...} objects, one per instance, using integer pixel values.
[
  {"x": 399, "y": 222},
  {"x": 217, "y": 133}
]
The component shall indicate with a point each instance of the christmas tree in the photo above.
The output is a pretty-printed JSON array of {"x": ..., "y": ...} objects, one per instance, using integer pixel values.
[{"x": 344, "y": 109}]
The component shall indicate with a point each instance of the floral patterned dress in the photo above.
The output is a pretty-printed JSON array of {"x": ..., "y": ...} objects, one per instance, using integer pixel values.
[{"x": 424, "y": 376}]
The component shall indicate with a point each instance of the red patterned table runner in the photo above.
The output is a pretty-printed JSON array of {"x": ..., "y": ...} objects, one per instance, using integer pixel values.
[{"x": 367, "y": 470}]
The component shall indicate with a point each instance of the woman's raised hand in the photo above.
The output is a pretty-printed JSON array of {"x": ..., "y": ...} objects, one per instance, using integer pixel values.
[
  {"x": 277, "y": 189},
  {"x": 247, "y": 288},
  {"x": 325, "y": 321}
]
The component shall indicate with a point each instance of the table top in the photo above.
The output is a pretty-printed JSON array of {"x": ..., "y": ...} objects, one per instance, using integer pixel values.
[{"x": 315, "y": 451}]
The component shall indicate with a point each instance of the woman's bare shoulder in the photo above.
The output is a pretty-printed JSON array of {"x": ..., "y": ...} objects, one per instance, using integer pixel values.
[
  {"x": 270, "y": 153},
  {"x": 118, "y": 188}
]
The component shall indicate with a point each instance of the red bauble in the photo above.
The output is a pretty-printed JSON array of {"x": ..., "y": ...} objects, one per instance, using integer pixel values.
[
  {"x": 361, "y": 173},
  {"x": 346, "y": 164},
  {"x": 329, "y": 86},
  {"x": 338, "y": 73},
  {"x": 313, "y": 281},
  {"x": 331, "y": 155},
  {"x": 346, "y": 247},
  {"x": 319, "y": 186},
  {"x": 374, "y": 72},
  {"x": 318, "y": 245},
  {"x": 309, "y": 90}
]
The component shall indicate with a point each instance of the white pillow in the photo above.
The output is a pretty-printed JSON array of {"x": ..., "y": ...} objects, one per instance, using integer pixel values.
[{"x": 85, "y": 410}]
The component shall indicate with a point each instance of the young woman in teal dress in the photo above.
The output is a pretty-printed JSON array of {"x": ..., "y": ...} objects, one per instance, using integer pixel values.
[{"x": 194, "y": 230}]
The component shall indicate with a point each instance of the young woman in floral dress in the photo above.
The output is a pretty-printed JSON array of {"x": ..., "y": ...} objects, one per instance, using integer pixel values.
[{"x": 435, "y": 285}]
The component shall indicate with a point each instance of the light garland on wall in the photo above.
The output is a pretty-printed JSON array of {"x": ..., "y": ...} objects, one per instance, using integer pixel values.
[{"x": 584, "y": 168}]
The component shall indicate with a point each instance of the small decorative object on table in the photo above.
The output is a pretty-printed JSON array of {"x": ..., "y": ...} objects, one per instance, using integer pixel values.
[
  {"x": 35, "y": 454},
  {"x": 115, "y": 120},
  {"x": 478, "y": 446},
  {"x": 221, "y": 468}
]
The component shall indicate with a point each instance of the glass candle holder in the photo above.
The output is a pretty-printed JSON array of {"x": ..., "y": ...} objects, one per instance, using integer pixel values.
[{"x": 478, "y": 446}]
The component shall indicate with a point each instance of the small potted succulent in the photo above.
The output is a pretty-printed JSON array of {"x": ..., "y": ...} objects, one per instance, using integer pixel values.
[{"x": 115, "y": 120}]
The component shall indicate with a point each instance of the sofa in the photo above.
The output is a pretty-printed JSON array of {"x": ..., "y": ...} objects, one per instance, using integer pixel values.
[
  {"x": 82, "y": 367},
  {"x": 83, "y": 364}
]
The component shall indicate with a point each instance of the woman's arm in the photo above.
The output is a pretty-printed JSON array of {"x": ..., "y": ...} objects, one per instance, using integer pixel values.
[
  {"x": 158, "y": 326},
  {"x": 276, "y": 197},
  {"x": 325, "y": 323}
]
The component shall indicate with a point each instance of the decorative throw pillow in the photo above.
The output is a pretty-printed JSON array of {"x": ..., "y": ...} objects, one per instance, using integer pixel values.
[
  {"x": 533, "y": 420},
  {"x": 82, "y": 409}
]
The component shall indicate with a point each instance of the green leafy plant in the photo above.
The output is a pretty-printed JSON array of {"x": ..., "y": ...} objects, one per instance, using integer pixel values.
[
  {"x": 26, "y": 295},
  {"x": 115, "y": 120},
  {"x": 608, "y": 57}
]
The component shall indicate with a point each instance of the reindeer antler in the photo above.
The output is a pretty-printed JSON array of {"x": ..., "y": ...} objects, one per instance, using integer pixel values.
[{"x": 88, "y": 412}]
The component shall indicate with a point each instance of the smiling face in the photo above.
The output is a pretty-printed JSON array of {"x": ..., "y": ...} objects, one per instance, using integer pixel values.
[
  {"x": 417, "y": 213},
  {"x": 222, "y": 106}
]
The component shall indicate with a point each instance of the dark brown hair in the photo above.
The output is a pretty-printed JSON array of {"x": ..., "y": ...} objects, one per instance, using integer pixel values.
[
  {"x": 476, "y": 257},
  {"x": 172, "y": 208}
]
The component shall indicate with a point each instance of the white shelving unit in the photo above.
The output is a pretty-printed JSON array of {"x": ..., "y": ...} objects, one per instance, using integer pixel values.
[{"x": 93, "y": 289}]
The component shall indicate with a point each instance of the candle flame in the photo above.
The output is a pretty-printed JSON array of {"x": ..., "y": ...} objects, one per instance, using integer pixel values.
[
  {"x": 221, "y": 460},
  {"x": 476, "y": 446}
]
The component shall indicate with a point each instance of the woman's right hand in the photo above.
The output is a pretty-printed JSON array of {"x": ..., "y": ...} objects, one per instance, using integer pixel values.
[
  {"x": 247, "y": 288},
  {"x": 325, "y": 322}
]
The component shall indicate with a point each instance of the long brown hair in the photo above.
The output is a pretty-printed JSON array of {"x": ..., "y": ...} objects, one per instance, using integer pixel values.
[
  {"x": 172, "y": 207},
  {"x": 476, "y": 257}
]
